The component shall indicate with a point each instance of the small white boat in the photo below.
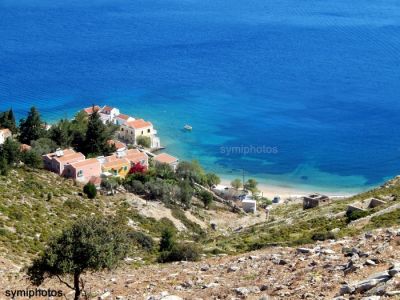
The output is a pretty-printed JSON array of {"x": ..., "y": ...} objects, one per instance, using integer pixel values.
[{"x": 188, "y": 127}]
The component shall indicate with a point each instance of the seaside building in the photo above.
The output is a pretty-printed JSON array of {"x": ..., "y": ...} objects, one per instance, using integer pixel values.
[
  {"x": 131, "y": 130},
  {"x": 116, "y": 166},
  {"x": 56, "y": 161},
  {"x": 4, "y": 134},
  {"x": 90, "y": 110},
  {"x": 122, "y": 119},
  {"x": 119, "y": 146},
  {"x": 165, "y": 158},
  {"x": 84, "y": 170},
  {"x": 135, "y": 156}
]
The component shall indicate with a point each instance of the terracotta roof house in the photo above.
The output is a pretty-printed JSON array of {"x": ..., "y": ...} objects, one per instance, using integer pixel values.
[
  {"x": 92, "y": 109},
  {"x": 122, "y": 119},
  {"x": 165, "y": 158},
  {"x": 118, "y": 145},
  {"x": 135, "y": 156},
  {"x": 57, "y": 161},
  {"x": 84, "y": 170},
  {"x": 4, "y": 134},
  {"x": 131, "y": 130}
]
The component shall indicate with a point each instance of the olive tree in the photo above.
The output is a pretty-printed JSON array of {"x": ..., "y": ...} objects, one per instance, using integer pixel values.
[{"x": 91, "y": 244}]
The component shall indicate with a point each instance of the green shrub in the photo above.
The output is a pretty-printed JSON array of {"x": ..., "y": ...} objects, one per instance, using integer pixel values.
[
  {"x": 90, "y": 190},
  {"x": 206, "y": 198},
  {"x": 180, "y": 252},
  {"x": 144, "y": 141},
  {"x": 356, "y": 214},
  {"x": 144, "y": 240},
  {"x": 322, "y": 236}
]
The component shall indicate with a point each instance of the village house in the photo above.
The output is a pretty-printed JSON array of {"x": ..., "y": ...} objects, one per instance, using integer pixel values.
[
  {"x": 57, "y": 161},
  {"x": 135, "y": 156},
  {"x": 165, "y": 158},
  {"x": 119, "y": 146},
  {"x": 131, "y": 130},
  {"x": 90, "y": 110},
  {"x": 4, "y": 134},
  {"x": 122, "y": 119},
  {"x": 84, "y": 170},
  {"x": 116, "y": 166}
]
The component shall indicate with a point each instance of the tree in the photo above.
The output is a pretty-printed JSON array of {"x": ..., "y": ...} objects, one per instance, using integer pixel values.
[
  {"x": 7, "y": 120},
  {"x": 43, "y": 146},
  {"x": 96, "y": 137},
  {"x": 91, "y": 244},
  {"x": 164, "y": 171},
  {"x": 212, "y": 179},
  {"x": 32, "y": 128},
  {"x": 236, "y": 183},
  {"x": 144, "y": 141},
  {"x": 167, "y": 240},
  {"x": 61, "y": 133},
  {"x": 191, "y": 171},
  {"x": 90, "y": 190},
  {"x": 251, "y": 185},
  {"x": 186, "y": 193},
  {"x": 32, "y": 159},
  {"x": 11, "y": 150},
  {"x": 206, "y": 198},
  {"x": 3, "y": 165}
]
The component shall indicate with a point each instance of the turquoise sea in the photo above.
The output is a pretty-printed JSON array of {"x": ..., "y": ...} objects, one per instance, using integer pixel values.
[{"x": 317, "y": 82}]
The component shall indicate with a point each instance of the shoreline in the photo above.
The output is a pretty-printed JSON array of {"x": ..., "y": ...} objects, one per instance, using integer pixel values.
[{"x": 285, "y": 192}]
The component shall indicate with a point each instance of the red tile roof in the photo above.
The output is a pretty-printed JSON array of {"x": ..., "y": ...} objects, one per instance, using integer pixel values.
[
  {"x": 118, "y": 144},
  {"x": 123, "y": 117},
  {"x": 85, "y": 163},
  {"x": 6, "y": 132},
  {"x": 90, "y": 110},
  {"x": 107, "y": 108},
  {"x": 140, "y": 123},
  {"x": 165, "y": 158}
]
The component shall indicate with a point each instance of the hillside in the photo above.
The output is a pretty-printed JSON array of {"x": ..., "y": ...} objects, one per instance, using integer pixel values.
[{"x": 35, "y": 205}]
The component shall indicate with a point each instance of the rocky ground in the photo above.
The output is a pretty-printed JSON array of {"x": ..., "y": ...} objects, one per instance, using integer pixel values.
[{"x": 362, "y": 267}]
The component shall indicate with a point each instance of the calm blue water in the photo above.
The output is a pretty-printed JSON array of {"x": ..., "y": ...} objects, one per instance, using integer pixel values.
[{"x": 317, "y": 80}]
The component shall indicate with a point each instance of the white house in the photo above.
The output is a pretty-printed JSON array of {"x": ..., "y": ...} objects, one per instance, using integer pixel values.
[
  {"x": 249, "y": 205},
  {"x": 131, "y": 130},
  {"x": 4, "y": 134}
]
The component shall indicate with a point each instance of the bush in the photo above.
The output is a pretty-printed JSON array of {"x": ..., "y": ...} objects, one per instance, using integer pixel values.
[
  {"x": 145, "y": 241},
  {"x": 90, "y": 190},
  {"x": 144, "y": 141},
  {"x": 180, "y": 252},
  {"x": 167, "y": 241},
  {"x": 322, "y": 236},
  {"x": 206, "y": 198},
  {"x": 356, "y": 214},
  {"x": 135, "y": 186}
]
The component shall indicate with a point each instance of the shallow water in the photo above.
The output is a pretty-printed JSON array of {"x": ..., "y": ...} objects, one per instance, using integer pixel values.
[{"x": 317, "y": 81}]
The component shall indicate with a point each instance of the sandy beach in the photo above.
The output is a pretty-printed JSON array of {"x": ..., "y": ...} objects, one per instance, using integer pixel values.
[{"x": 287, "y": 191}]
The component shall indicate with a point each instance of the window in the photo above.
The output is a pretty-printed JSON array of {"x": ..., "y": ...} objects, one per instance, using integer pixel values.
[
  {"x": 142, "y": 132},
  {"x": 148, "y": 130},
  {"x": 125, "y": 168},
  {"x": 122, "y": 129},
  {"x": 80, "y": 173}
]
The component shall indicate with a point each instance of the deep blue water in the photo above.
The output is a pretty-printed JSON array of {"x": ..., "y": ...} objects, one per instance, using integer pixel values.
[{"x": 317, "y": 80}]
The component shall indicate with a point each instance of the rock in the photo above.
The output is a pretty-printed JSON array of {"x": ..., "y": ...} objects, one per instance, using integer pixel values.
[
  {"x": 394, "y": 269},
  {"x": 304, "y": 250},
  {"x": 104, "y": 296},
  {"x": 392, "y": 293},
  {"x": 263, "y": 287},
  {"x": 370, "y": 262},
  {"x": 171, "y": 297},
  {"x": 371, "y": 282},
  {"x": 210, "y": 285},
  {"x": 120, "y": 298},
  {"x": 254, "y": 289},
  {"x": 242, "y": 259},
  {"x": 327, "y": 251},
  {"x": 253, "y": 257},
  {"x": 335, "y": 230},
  {"x": 346, "y": 289},
  {"x": 242, "y": 291},
  {"x": 278, "y": 261},
  {"x": 233, "y": 268},
  {"x": 205, "y": 268},
  {"x": 371, "y": 298}
]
